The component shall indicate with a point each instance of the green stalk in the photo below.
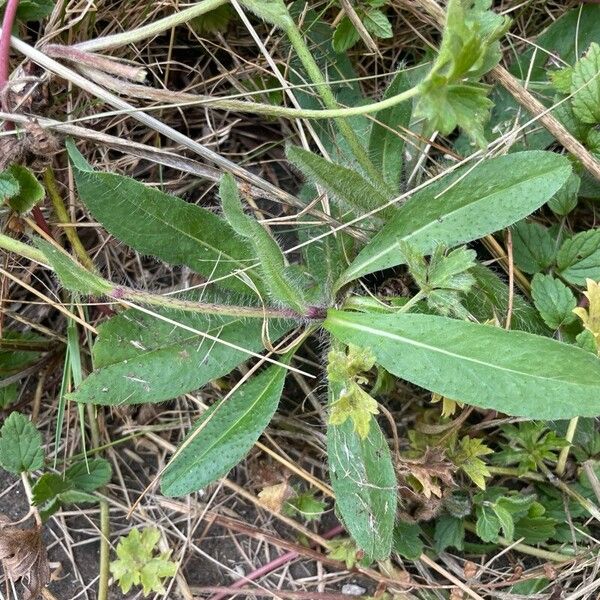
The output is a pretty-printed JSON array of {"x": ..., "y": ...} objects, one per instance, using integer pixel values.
[{"x": 314, "y": 73}]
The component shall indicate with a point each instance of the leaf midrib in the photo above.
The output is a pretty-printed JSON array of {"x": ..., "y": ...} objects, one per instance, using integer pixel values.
[{"x": 418, "y": 344}]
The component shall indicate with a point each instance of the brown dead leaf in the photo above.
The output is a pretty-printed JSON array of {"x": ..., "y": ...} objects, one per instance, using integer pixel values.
[
  {"x": 470, "y": 569},
  {"x": 273, "y": 497},
  {"x": 430, "y": 471},
  {"x": 23, "y": 556}
]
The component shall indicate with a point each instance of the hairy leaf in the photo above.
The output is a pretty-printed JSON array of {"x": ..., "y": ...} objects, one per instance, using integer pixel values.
[
  {"x": 579, "y": 257},
  {"x": 140, "y": 358},
  {"x": 346, "y": 185},
  {"x": 364, "y": 482},
  {"x": 386, "y": 141},
  {"x": 20, "y": 445},
  {"x": 224, "y": 434},
  {"x": 29, "y": 191},
  {"x": 464, "y": 206},
  {"x": 514, "y": 372},
  {"x": 585, "y": 86},
  {"x": 554, "y": 300},
  {"x": 164, "y": 226}
]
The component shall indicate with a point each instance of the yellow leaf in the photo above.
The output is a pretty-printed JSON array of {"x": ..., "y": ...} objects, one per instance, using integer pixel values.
[{"x": 591, "y": 316}]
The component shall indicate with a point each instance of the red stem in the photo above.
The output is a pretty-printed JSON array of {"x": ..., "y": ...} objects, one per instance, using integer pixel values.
[
  {"x": 7, "y": 25},
  {"x": 269, "y": 567}
]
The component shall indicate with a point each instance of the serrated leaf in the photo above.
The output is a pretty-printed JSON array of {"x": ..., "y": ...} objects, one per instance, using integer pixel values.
[
  {"x": 20, "y": 445},
  {"x": 514, "y": 372},
  {"x": 487, "y": 526},
  {"x": 536, "y": 530},
  {"x": 224, "y": 434},
  {"x": 579, "y": 257},
  {"x": 407, "y": 540},
  {"x": 48, "y": 487},
  {"x": 585, "y": 86},
  {"x": 89, "y": 476},
  {"x": 533, "y": 247},
  {"x": 138, "y": 564},
  {"x": 164, "y": 226},
  {"x": 565, "y": 200},
  {"x": 386, "y": 140},
  {"x": 346, "y": 185},
  {"x": 363, "y": 479},
  {"x": 449, "y": 533},
  {"x": 506, "y": 521},
  {"x": 562, "y": 79},
  {"x": 29, "y": 191},
  {"x": 465, "y": 206},
  {"x": 140, "y": 358},
  {"x": 345, "y": 36},
  {"x": 553, "y": 299},
  {"x": 378, "y": 24}
]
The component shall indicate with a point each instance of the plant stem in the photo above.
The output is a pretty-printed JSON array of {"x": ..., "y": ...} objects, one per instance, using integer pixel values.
[
  {"x": 416, "y": 298},
  {"x": 564, "y": 453},
  {"x": 8, "y": 22},
  {"x": 104, "y": 571},
  {"x": 314, "y": 73},
  {"x": 152, "y": 29},
  {"x": 11, "y": 245},
  {"x": 63, "y": 215},
  {"x": 526, "y": 549}
]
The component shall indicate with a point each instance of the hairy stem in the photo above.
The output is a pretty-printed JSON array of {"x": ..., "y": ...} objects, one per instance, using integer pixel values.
[
  {"x": 152, "y": 29},
  {"x": 10, "y": 14},
  {"x": 314, "y": 73}
]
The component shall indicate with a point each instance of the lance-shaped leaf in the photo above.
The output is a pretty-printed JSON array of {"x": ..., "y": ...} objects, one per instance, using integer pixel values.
[
  {"x": 224, "y": 434},
  {"x": 364, "y": 482},
  {"x": 346, "y": 186},
  {"x": 140, "y": 358},
  {"x": 386, "y": 142},
  {"x": 164, "y": 226},
  {"x": 464, "y": 206},
  {"x": 514, "y": 372}
]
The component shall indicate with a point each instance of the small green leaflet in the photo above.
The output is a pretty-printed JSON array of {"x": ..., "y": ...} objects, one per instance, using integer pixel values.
[
  {"x": 164, "y": 226},
  {"x": 565, "y": 200},
  {"x": 407, "y": 540},
  {"x": 449, "y": 533},
  {"x": 386, "y": 141},
  {"x": 21, "y": 188},
  {"x": 20, "y": 445},
  {"x": 554, "y": 300},
  {"x": 464, "y": 206},
  {"x": 533, "y": 246},
  {"x": 579, "y": 257},
  {"x": 514, "y": 372},
  {"x": 585, "y": 86},
  {"x": 140, "y": 358},
  {"x": 224, "y": 434},
  {"x": 364, "y": 482}
]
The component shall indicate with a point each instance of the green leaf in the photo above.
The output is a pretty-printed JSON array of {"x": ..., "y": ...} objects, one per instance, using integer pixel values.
[
  {"x": 276, "y": 275},
  {"x": 224, "y": 434},
  {"x": 386, "y": 141},
  {"x": 345, "y": 36},
  {"x": 505, "y": 519},
  {"x": 465, "y": 206},
  {"x": 562, "y": 79},
  {"x": 72, "y": 275},
  {"x": 466, "y": 457},
  {"x": 306, "y": 505},
  {"x": 214, "y": 21},
  {"x": 29, "y": 192},
  {"x": 449, "y": 533},
  {"x": 364, "y": 482},
  {"x": 20, "y": 445},
  {"x": 48, "y": 487},
  {"x": 76, "y": 497},
  {"x": 272, "y": 11},
  {"x": 579, "y": 257},
  {"x": 407, "y": 540},
  {"x": 535, "y": 530},
  {"x": 138, "y": 564},
  {"x": 9, "y": 185},
  {"x": 162, "y": 225},
  {"x": 378, "y": 24},
  {"x": 88, "y": 477},
  {"x": 347, "y": 186},
  {"x": 8, "y": 394},
  {"x": 534, "y": 248},
  {"x": 585, "y": 86},
  {"x": 487, "y": 526},
  {"x": 140, "y": 358},
  {"x": 565, "y": 200},
  {"x": 514, "y": 372},
  {"x": 554, "y": 300},
  {"x": 34, "y": 10}
]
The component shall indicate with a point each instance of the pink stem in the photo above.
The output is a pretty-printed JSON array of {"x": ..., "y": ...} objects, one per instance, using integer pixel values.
[
  {"x": 271, "y": 566},
  {"x": 7, "y": 25}
]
